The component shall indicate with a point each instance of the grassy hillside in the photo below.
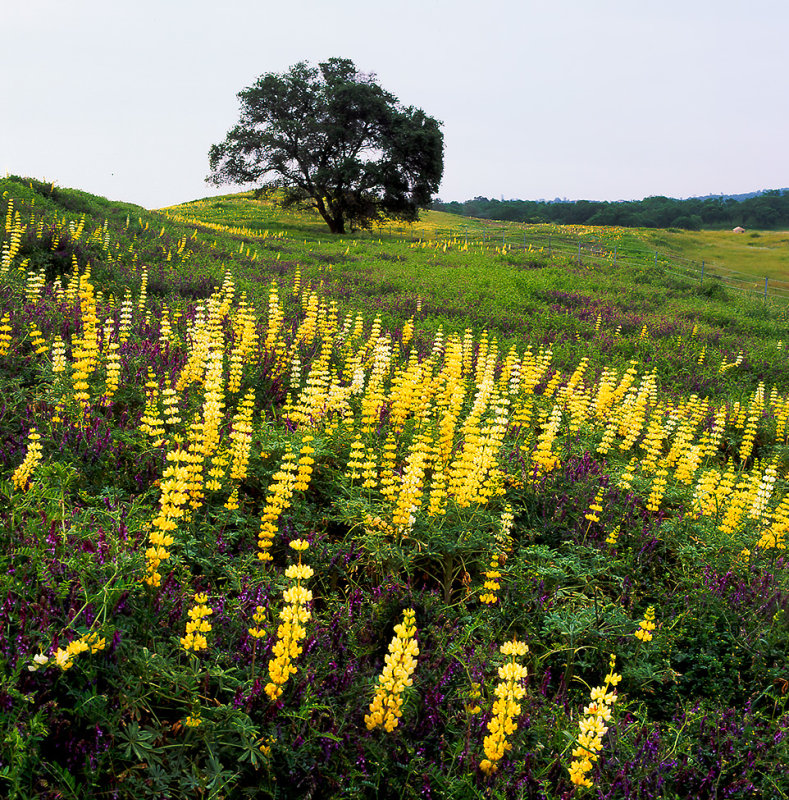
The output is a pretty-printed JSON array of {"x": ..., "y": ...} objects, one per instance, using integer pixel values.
[
  {"x": 461, "y": 280},
  {"x": 759, "y": 253},
  {"x": 408, "y": 513}
]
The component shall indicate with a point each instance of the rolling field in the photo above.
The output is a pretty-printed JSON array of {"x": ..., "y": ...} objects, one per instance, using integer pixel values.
[
  {"x": 403, "y": 513},
  {"x": 760, "y": 253}
]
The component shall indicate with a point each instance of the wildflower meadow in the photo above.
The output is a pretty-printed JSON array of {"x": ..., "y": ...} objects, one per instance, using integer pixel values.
[{"x": 401, "y": 514}]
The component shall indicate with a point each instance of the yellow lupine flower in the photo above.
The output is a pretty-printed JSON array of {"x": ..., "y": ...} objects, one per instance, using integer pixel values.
[
  {"x": 291, "y": 631},
  {"x": 506, "y": 707},
  {"x": 32, "y": 459},
  {"x": 197, "y": 626},
  {"x": 592, "y": 729},
  {"x": 400, "y": 663},
  {"x": 646, "y": 626}
]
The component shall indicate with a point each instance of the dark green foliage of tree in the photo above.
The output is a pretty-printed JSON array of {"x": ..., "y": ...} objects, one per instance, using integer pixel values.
[
  {"x": 332, "y": 139},
  {"x": 765, "y": 210}
]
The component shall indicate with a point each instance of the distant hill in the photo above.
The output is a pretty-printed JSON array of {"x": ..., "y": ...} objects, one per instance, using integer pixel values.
[
  {"x": 766, "y": 209},
  {"x": 738, "y": 197}
]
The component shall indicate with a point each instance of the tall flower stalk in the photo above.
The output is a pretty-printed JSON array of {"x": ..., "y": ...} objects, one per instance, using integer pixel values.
[
  {"x": 593, "y": 727},
  {"x": 506, "y": 707},
  {"x": 386, "y": 707},
  {"x": 291, "y": 631}
]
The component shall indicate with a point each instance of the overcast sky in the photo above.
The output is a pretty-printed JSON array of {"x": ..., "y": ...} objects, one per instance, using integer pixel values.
[{"x": 584, "y": 99}]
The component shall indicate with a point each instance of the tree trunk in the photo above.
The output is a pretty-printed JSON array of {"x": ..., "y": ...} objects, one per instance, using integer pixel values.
[{"x": 336, "y": 223}]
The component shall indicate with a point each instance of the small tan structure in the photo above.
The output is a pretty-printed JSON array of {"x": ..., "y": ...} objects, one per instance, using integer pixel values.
[{"x": 738, "y": 229}]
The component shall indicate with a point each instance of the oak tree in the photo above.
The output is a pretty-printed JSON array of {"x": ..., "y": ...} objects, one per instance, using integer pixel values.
[{"x": 329, "y": 137}]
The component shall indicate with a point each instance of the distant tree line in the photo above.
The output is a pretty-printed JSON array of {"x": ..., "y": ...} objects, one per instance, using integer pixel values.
[{"x": 765, "y": 210}]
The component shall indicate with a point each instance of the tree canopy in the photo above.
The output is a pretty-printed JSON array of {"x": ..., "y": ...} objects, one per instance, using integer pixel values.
[{"x": 332, "y": 139}]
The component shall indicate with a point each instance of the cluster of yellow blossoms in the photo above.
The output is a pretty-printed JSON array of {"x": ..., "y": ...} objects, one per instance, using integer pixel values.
[
  {"x": 64, "y": 656},
  {"x": 15, "y": 229},
  {"x": 646, "y": 626},
  {"x": 23, "y": 472},
  {"x": 37, "y": 339},
  {"x": 775, "y": 534},
  {"x": 197, "y": 626},
  {"x": 90, "y": 641},
  {"x": 491, "y": 585},
  {"x": 386, "y": 707},
  {"x": 506, "y": 707},
  {"x": 85, "y": 348},
  {"x": 503, "y": 543},
  {"x": 256, "y": 631},
  {"x": 592, "y": 728},
  {"x": 291, "y": 631},
  {"x": 543, "y": 457},
  {"x": 5, "y": 334},
  {"x": 172, "y": 504},
  {"x": 613, "y": 536},
  {"x": 151, "y": 422},
  {"x": 278, "y": 499},
  {"x": 595, "y": 508},
  {"x": 472, "y": 705}
]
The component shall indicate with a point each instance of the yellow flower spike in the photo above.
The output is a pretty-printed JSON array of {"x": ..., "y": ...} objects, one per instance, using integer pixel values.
[
  {"x": 491, "y": 585},
  {"x": 592, "y": 728},
  {"x": 646, "y": 626},
  {"x": 400, "y": 663},
  {"x": 194, "y": 640},
  {"x": 595, "y": 508},
  {"x": 472, "y": 706},
  {"x": 613, "y": 536},
  {"x": 94, "y": 642},
  {"x": 21, "y": 476},
  {"x": 265, "y": 745},
  {"x": 291, "y": 631},
  {"x": 278, "y": 498},
  {"x": 506, "y": 707}
]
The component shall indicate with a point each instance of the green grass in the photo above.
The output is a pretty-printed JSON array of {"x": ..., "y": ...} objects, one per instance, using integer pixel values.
[
  {"x": 464, "y": 280},
  {"x": 757, "y": 253}
]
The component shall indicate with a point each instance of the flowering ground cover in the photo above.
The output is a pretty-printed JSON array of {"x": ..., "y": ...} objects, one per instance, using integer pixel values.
[{"x": 379, "y": 516}]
